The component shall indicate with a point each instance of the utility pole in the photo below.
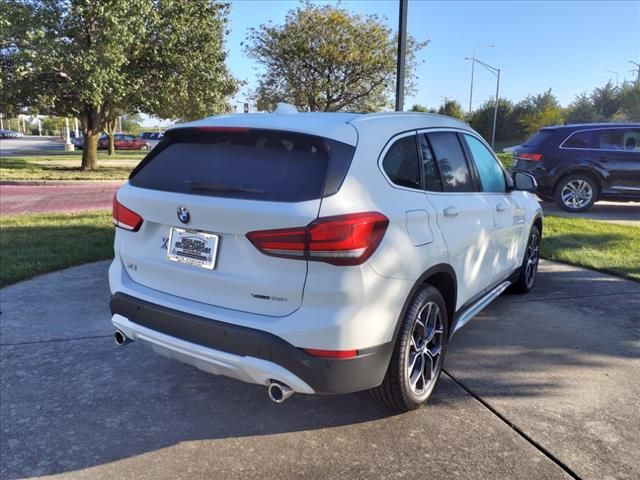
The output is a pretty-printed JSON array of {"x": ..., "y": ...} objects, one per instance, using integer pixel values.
[
  {"x": 473, "y": 64},
  {"x": 402, "y": 53}
]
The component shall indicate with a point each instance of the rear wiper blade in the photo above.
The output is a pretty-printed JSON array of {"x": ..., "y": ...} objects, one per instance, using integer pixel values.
[{"x": 216, "y": 187}]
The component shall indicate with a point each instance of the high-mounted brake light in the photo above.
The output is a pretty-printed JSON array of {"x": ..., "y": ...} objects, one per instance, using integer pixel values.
[
  {"x": 339, "y": 240},
  {"x": 125, "y": 218},
  {"x": 534, "y": 157},
  {"x": 331, "y": 353}
]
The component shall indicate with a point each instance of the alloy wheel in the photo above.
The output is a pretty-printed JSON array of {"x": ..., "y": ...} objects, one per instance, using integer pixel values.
[
  {"x": 532, "y": 260},
  {"x": 576, "y": 194},
  {"x": 424, "y": 355}
]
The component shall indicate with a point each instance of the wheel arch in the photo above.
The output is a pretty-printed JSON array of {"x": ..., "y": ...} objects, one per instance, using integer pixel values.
[{"x": 443, "y": 278}]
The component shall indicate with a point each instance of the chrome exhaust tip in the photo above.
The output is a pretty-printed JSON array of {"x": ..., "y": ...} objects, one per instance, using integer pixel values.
[
  {"x": 120, "y": 338},
  {"x": 279, "y": 392}
]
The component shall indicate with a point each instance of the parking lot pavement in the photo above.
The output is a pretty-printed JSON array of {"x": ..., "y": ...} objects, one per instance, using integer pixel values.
[
  {"x": 67, "y": 197},
  {"x": 75, "y": 406},
  {"x": 624, "y": 213},
  {"x": 30, "y": 144},
  {"x": 563, "y": 364}
]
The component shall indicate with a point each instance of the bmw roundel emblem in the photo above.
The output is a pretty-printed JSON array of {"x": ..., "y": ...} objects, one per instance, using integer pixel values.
[{"x": 183, "y": 214}]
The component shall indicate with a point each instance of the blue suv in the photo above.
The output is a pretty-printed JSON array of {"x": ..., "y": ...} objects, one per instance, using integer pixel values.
[{"x": 577, "y": 165}]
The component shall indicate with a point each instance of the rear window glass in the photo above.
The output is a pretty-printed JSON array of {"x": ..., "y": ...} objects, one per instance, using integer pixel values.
[
  {"x": 538, "y": 138},
  {"x": 255, "y": 164},
  {"x": 401, "y": 163}
]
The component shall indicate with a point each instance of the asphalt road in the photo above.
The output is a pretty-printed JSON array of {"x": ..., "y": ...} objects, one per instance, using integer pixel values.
[
  {"x": 546, "y": 386},
  {"x": 624, "y": 213},
  {"x": 30, "y": 144}
]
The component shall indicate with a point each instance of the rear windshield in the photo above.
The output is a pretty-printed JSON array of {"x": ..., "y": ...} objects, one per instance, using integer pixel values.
[
  {"x": 538, "y": 138},
  {"x": 256, "y": 164}
]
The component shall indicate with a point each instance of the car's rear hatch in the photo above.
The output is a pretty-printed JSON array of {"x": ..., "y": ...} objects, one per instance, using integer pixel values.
[{"x": 228, "y": 182}]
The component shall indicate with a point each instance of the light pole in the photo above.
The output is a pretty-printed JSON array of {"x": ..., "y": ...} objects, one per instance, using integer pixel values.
[
  {"x": 638, "y": 74},
  {"x": 496, "y": 72},
  {"x": 473, "y": 64},
  {"x": 402, "y": 52},
  {"x": 615, "y": 73}
]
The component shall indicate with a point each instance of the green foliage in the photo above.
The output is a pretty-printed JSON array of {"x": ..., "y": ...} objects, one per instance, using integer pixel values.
[
  {"x": 582, "y": 110},
  {"x": 98, "y": 59},
  {"x": 325, "y": 58},
  {"x": 629, "y": 98},
  {"x": 507, "y": 127},
  {"x": 605, "y": 100},
  {"x": 537, "y": 111},
  {"x": 451, "y": 108},
  {"x": 421, "y": 108},
  {"x": 131, "y": 124}
]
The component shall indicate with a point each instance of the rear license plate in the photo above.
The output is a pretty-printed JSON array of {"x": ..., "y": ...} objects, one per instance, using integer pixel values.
[{"x": 193, "y": 248}]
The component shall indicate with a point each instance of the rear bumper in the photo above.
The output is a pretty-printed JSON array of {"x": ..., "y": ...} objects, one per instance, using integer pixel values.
[{"x": 247, "y": 354}]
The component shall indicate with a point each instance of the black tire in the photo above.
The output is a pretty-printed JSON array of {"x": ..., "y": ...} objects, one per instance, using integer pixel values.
[
  {"x": 529, "y": 267},
  {"x": 396, "y": 390},
  {"x": 579, "y": 201}
]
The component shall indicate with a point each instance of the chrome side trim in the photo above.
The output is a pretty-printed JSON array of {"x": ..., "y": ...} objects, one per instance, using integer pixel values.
[
  {"x": 631, "y": 189},
  {"x": 479, "y": 305}
]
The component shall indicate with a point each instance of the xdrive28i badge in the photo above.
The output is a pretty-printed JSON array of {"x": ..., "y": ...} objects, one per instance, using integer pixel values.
[{"x": 183, "y": 214}]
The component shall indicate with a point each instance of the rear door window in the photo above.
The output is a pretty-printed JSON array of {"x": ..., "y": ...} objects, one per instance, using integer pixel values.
[
  {"x": 402, "y": 164},
  {"x": 255, "y": 164},
  {"x": 578, "y": 140},
  {"x": 618, "y": 139},
  {"x": 453, "y": 166}
]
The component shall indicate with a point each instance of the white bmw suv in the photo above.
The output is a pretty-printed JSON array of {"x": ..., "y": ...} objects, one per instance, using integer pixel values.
[{"x": 318, "y": 252}]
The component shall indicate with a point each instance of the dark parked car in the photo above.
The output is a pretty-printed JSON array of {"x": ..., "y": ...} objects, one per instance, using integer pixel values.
[
  {"x": 577, "y": 165},
  {"x": 124, "y": 142}
]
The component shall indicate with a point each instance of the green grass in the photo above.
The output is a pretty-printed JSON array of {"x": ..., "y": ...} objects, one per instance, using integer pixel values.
[
  {"x": 602, "y": 246},
  {"x": 33, "y": 244},
  {"x": 66, "y": 166},
  {"x": 506, "y": 159}
]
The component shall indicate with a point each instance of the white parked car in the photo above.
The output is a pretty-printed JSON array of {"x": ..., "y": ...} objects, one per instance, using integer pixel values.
[{"x": 319, "y": 252}]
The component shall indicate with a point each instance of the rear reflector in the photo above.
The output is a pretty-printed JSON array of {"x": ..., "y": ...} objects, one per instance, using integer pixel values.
[
  {"x": 339, "y": 240},
  {"x": 533, "y": 157},
  {"x": 125, "y": 218},
  {"x": 332, "y": 353}
]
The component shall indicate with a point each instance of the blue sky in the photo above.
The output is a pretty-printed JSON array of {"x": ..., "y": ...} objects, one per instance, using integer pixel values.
[{"x": 563, "y": 45}]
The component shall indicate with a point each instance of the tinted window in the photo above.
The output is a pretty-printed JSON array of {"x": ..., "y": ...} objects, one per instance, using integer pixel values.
[
  {"x": 432, "y": 180},
  {"x": 401, "y": 163},
  {"x": 452, "y": 164},
  {"x": 256, "y": 164},
  {"x": 578, "y": 140},
  {"x": 538, "y": 138},
  {"x": 618, "y": 139},
  {"x": 490, "y": 173}
]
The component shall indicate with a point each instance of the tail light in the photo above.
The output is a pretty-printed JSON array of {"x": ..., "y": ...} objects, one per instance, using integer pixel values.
[
  {"x": 125, "y": 218},
  {"x": 338, "y": 240},
  {"x": 533, "y": 157}
]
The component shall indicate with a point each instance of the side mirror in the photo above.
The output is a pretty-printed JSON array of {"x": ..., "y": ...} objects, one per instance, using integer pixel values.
[{"x": 524, "y": 181}]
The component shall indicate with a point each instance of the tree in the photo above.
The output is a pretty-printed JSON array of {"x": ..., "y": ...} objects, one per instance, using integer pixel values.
[
  {"x": 605, "y": 100},
  {"x": 98, "y": 59},
  {"x": 421, "y": 108},
  {"x": 539, "y": 111},
  {"x": 325, "y": 58},
  {"x": 451, "y": 108},
  {"x": 482, "y": 121},
  {"x": 629, "y": 99},
  {"x": 582, "y": 110}
]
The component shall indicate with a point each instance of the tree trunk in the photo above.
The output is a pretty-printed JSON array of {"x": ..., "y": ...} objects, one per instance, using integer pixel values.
[
  {"x": 110, "y": 127},
  {"x": 90, "y": 151},
  {"x": 90, "y": 121}
]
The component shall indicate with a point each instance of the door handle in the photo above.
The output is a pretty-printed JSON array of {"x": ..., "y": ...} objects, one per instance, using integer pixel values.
[
  {"x": 451, "y": 211},
  {"x": 501, "y": 207}
]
